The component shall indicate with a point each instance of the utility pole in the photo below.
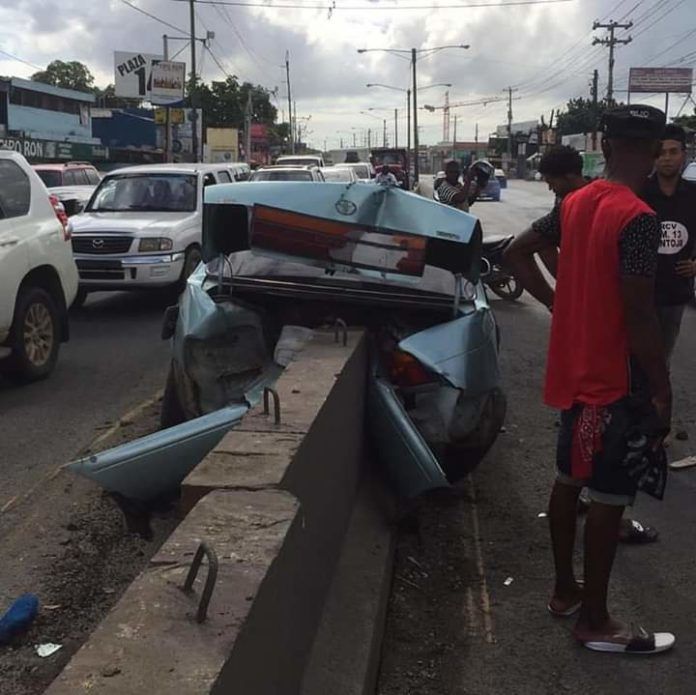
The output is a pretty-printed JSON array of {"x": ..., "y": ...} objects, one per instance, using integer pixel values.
[
  {"x": 415, "y": 118},
  {"x": 287, "y": 77},
  {"x": 167, "y": 122},
  {"x": 476, "y": 135},
  {"x": 354, "y": 140},
  {"x": 369, "y": 138},
  {"x": 194, "y": 82},
  {"x": 611, "y": 41},
  {"x": 294, "y": 123},
  {"x": 595, "y": 90},
  {"x": 247, "y": 128},
  {"x": 454, "y": 138},
  {"x": 509, "y": 90},
  {"x": 408, "y": 122},
  {"x": 384, "y": 132},
  {"x": 396, "y": 127}
]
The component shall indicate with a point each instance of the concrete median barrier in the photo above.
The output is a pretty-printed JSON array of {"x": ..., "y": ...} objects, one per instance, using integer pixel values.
[{"x": 298, "y": 523}]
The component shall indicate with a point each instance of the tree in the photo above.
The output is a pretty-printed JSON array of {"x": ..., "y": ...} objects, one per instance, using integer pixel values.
[
  {"x": 71, "y": 75},
  {"x": 580, "y": 116},
  {"x": 224, "y": 103},
  {"x": 687, "y": 121}
]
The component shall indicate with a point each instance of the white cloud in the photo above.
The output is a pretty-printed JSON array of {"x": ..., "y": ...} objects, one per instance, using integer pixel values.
[{"x": 523, "y": 45}]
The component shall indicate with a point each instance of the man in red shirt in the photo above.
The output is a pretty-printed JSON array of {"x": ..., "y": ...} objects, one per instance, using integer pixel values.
[{"x": 606, "y": 368}]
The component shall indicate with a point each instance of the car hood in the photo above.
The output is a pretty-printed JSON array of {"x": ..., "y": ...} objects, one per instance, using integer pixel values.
[
  {"x": 360, "y": 228},
  {"x": 130, "y": 222}
]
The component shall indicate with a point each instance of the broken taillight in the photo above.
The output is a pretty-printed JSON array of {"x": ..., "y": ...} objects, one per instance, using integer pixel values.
[
  {"x": 406, "y": 370},
  {"x": 62, "y": 216}
]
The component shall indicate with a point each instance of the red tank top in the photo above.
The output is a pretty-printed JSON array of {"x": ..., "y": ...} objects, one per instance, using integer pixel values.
[{"x": 588, "y": 352}]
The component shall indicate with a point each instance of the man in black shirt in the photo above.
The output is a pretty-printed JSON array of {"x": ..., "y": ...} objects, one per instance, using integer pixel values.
[{"x": 674, "y": 201}]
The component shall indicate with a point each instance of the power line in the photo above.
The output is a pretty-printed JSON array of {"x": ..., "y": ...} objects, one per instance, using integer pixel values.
[
  {"x": 333, "y": 7},
  {"x": 152, "y": 16},
  {"x": 21, "y": 60}
]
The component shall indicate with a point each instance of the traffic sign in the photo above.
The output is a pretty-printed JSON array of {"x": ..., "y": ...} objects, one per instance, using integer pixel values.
[{"x": 133, "y": 74}]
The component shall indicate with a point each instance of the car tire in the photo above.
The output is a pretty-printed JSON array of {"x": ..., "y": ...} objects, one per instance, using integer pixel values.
[
  {"x": 171, "y": 412},
  {"x": 80, "y": 298},
  {"x": 34, "y": 337}
]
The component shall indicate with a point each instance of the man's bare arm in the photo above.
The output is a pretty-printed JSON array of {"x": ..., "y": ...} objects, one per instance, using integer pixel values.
[
  {"x": 519, "y": 257},
  {"x": 645, "y": 341}
]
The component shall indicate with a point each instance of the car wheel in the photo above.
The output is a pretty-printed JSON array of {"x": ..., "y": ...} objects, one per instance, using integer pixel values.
[
  {"x": 80, "y": 298},
  {"x": 171, "y": 412},
  {"x": 34, "y": 338}
]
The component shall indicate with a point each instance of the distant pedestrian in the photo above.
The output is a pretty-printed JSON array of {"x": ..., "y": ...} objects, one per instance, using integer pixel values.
[
  {"x": 603, "y": 319},
  {"x": 456, "y": 193},
  {"x": 385, "y": 177},
  {"x": 674, "y": 201}
]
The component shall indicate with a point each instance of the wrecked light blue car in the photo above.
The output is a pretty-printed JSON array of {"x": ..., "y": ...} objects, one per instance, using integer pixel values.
[{"x": 282, "y": 258}]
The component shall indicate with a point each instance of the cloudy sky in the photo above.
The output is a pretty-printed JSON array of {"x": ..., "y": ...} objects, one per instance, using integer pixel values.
[{"x": 542, "y": 50}]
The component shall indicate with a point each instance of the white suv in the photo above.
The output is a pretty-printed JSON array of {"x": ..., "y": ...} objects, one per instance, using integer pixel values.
[
  {"x": 142, "y": 227},
  {"x": 38, "y": 277}
]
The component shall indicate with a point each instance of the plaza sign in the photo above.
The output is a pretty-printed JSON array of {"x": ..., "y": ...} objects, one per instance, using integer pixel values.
[{"x": 133, "y": 74}]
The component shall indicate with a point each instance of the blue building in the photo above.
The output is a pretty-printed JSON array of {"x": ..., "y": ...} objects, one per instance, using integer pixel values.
[{"x": 47, "y": 123}]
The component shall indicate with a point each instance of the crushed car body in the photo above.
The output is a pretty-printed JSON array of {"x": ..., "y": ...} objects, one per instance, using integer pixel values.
[{"x": 281, "y": 259}]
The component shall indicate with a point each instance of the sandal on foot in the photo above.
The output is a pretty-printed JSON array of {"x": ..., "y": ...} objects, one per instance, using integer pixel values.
[
  {"x": 572, "y": 609},
  {"x": 635, "y": 533},
  {"x": 639, "y": 641}
]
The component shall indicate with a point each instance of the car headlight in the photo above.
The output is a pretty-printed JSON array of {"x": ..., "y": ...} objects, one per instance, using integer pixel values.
[{"x": 155, "y": 244}]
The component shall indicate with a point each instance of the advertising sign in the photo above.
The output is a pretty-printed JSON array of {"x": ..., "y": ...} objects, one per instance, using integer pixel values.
[
  {"x": 181, "y": 131},
  {"x": 133, "y": 74},
  {"x": 42, "y": 150},
  {"x": 167, "y": 83},
  {"x": 525, "y": 127},
  {"x": 664, "y": 80}
]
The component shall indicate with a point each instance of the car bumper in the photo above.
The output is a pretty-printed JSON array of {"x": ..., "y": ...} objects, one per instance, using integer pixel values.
[{"x": 129, "y": 272}]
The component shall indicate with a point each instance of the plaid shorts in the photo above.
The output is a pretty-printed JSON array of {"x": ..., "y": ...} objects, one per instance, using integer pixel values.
[{"x": 592, "y": 444}]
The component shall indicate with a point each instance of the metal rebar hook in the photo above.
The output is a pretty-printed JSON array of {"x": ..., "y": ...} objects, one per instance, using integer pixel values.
[{"x": 203, "y": 550}]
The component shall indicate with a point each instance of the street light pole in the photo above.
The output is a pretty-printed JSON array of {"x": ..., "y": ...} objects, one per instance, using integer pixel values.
[
  {"x": 408, "y": 122},
  {"x": 396, "y": 128},
  {"x": 415, "y": 118},
  {"x": 384, "y": 132},
  {"x": 194, "y": 113}
]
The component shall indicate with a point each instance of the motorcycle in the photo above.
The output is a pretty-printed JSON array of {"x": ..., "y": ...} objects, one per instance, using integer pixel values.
[{"x": 495, "y": 275}]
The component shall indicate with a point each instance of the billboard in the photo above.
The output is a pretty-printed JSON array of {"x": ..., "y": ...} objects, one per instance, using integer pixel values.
[
  {"x": 662, "y": 80},
  {"x": 526, "y": 127},
  {"x": 133, "y": 74},
  {"x": 167, "y": 82}
]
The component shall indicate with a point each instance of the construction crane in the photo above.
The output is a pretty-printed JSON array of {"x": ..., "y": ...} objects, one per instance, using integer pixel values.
[{"x": 445, "y": 108}]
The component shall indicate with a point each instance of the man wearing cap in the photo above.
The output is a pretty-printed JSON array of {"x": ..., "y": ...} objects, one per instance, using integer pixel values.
[
  {"x": 674, "y": 201},
  {"x": 452, "y": 192},
  {"x": 604, "y": 319}
]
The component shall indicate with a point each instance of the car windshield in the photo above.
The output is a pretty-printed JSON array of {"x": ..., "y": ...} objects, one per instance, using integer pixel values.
[
  {"x": 301, "y": 161},
  {"x": 270, "y": 175},
  {"x": 362, "y": 171},
  {"x": 145, "y": 192},
  {"x": 336, "y": 174},
  {"x": 50, "y": 177}
]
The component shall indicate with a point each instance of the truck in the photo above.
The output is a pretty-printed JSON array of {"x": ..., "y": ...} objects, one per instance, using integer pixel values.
[{"x": 398, "y": 161}]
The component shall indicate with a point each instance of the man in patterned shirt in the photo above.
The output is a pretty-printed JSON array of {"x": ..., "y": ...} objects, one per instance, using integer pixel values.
[
  {"x": 453, "y": 193},
  {"x": 603, "y": 317}
]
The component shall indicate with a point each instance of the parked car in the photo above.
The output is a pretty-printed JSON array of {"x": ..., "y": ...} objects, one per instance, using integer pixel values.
[
  {"x": 502, "y": 179},
  {"x": 142, "y": 227},
  {"x": 287, "y": 173},
  {"x": 38, "y": 277},
  {"x": 73, "y": 183},
  {"x": 316, "y": 160},
  {"x": 409, "y": 275},
  {"x": 68, "y": 174},
  {"x": 339, "y": 175},
  {"x": 690, "y": 172},
  {"x": 363, "y": 170}
]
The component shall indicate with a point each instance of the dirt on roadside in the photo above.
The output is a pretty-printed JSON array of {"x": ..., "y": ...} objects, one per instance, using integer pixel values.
[{"x": 69, "y": 544}]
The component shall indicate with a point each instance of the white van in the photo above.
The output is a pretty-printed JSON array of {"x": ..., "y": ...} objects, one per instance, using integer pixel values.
[{"x": 142, "y": 227}]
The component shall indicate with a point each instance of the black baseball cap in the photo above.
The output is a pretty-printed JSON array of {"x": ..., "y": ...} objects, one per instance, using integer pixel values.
[{"x": 633, "y": 121}]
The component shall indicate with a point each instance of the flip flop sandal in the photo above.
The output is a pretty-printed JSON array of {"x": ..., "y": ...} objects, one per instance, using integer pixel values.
[
  {"x": 638, "y": 642},
  {"x": 638, "y": 534},
  {"x": 571, "y": 610}
]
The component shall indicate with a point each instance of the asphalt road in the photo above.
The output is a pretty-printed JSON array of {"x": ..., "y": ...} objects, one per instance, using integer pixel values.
[{"x": 468, "y": 609}]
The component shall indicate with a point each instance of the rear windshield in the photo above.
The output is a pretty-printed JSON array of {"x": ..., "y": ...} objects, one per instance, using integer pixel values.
[
  {"x": 145, "y": 192},
  {"x": 50, "y": 177},
  {"x": 301, "y": 161},
  {"x": 281, "y": 176},
  {"x": 337, "y": 175},
  {"x": 362, "y": 171}
]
